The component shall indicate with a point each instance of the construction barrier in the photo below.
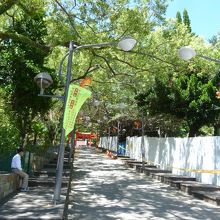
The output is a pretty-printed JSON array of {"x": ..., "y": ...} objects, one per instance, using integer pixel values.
[{"x": 196, "y": 157}]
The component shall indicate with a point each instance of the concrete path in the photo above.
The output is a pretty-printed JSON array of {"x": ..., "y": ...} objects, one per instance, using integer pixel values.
[
  {"x": 103, "y": 189},
  {"x": 35, "y": 204}
]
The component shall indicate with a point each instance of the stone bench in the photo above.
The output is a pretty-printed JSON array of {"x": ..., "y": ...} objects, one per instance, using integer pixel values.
[
  {"x": 150, "y": 171},
  {"x": 125, "y": 160},
  {"x": 189, "y": 187},
  {"x": 9, "y": 183},
  {"x": 211, "y": 197},
  {"x": 123, "y": 157},
  {"x": 132, "y": 164},
  {"x": 172, "y": 179},
  {"x": 140, "y": 168}
]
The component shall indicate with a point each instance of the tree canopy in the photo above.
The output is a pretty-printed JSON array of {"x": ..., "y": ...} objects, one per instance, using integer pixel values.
[{"x": 35, "y": 36}]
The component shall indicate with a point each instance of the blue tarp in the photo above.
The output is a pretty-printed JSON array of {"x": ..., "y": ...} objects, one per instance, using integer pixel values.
[{"x": 121, "y": 148}]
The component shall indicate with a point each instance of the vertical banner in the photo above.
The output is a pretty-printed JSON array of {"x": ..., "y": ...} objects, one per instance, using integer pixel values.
[{"x": 76, "y": 98}]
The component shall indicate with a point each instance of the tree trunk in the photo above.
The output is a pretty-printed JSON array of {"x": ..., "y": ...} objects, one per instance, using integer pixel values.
[
  {"x": 193, "y": 130},
  {"x": 22, "y": 130}
]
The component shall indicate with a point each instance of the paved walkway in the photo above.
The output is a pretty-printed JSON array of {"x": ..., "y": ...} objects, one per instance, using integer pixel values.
[
  {"x": 35, "y": 204},
  {"x": 103, "y": 189}
]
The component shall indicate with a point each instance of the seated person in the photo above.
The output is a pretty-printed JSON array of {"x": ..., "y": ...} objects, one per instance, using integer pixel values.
[{"x": 16, "y": 168}]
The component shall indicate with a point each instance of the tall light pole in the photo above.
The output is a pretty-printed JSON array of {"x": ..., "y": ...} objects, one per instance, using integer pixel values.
[
  {"x": 187, "y": 53},
  {"x": 121, "y": 106},
  {"x": 126, "y": 44},
  {"x": 217, "y": 124},
  {"x": 142, "y": 140}
]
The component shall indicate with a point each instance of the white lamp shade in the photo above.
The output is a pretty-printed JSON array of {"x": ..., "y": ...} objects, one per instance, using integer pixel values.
[
  {"x": 127, "y": 43},
  {"x": 186, "y": 53},
  {"x": 43, "y": 80},
  {"x": 96, "y": 103}
]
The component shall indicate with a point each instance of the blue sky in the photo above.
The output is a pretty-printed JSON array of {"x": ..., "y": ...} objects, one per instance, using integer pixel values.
[{"x": 204, "y": 15}]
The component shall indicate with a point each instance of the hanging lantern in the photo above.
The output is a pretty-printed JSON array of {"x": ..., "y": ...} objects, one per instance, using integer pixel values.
[
  {"x": 114, "y": 129},
  {"x": 217, "y": 95},
  {"x": 137, "y": 124},
  {"x": 86, "y": 82}
]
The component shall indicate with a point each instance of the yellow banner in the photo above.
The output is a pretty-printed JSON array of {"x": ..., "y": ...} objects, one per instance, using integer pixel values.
[{"x": 76, "y": 98}]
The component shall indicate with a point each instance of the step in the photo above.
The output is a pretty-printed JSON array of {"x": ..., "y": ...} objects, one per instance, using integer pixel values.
[
  {"x": 177, "y": 183},
  {"x": 134, "y": 161},
  {"x": 103, "y": 149},
  {"x": 139, "y": 167},
  {"x": 49, "y": 173},
  {"x": 123, "y": 157},
  {"x": 65, "y": 159},
  {"x": 172, "y": 179},
  {"x": 149, "y": 171},
  {"x": 41, "y": 181},
  {"x": 126, "y": 159},
  {"x": 190, "y": 186},
  {"x": 99, "y": 150},
  {"x": 210, "y": 197},
  {"x": 131, "y": 161},
  {"x": 53, "y": 165},
  {"x": 53, "y": 170},
  {"x": 132, "y": 164}
]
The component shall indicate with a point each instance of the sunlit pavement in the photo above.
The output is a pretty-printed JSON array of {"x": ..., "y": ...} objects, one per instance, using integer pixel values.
[
  {"x": 35, "y": 204},
  {"x": 104, "y": 189}
]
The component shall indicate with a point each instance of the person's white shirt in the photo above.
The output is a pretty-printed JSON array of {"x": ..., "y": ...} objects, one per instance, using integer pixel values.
[{"x": 16, "y": 162}]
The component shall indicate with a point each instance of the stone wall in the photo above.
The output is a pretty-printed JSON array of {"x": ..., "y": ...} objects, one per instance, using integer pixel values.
[
  {"x": 9, "y": 182},
  {"x": 37, "y": 162}
]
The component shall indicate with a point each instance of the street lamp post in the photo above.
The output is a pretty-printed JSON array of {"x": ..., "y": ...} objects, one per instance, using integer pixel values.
[
  {"x": 217, "y": 109},
  {"x": 142, "y": 141},
  {"x": 187, "y": 53},
  {"x": 118, "y": 136},
  {"x": 126, "y": 44},
  {"x": 121, "y": 107}
]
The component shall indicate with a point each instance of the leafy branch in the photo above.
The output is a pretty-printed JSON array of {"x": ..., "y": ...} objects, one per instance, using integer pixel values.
[
  {"x": 7, "y": 5},
  {"x": 23, "y": 39}
]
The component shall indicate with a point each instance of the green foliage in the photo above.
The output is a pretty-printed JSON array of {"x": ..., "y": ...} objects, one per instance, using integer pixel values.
[
  {"x": 178, "y": 17},
  {"x": 206, "y": 130},
  {"x": 20, "y": 64},
  {"x": 9, "y": 135},
  {"x": 168, "y": 87},
  {"x": 37, "y": 149},
  {"x": 213, "y": 40},
  {"x": 186, "y": 20},
  {"x": 187, "y": 97}
]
